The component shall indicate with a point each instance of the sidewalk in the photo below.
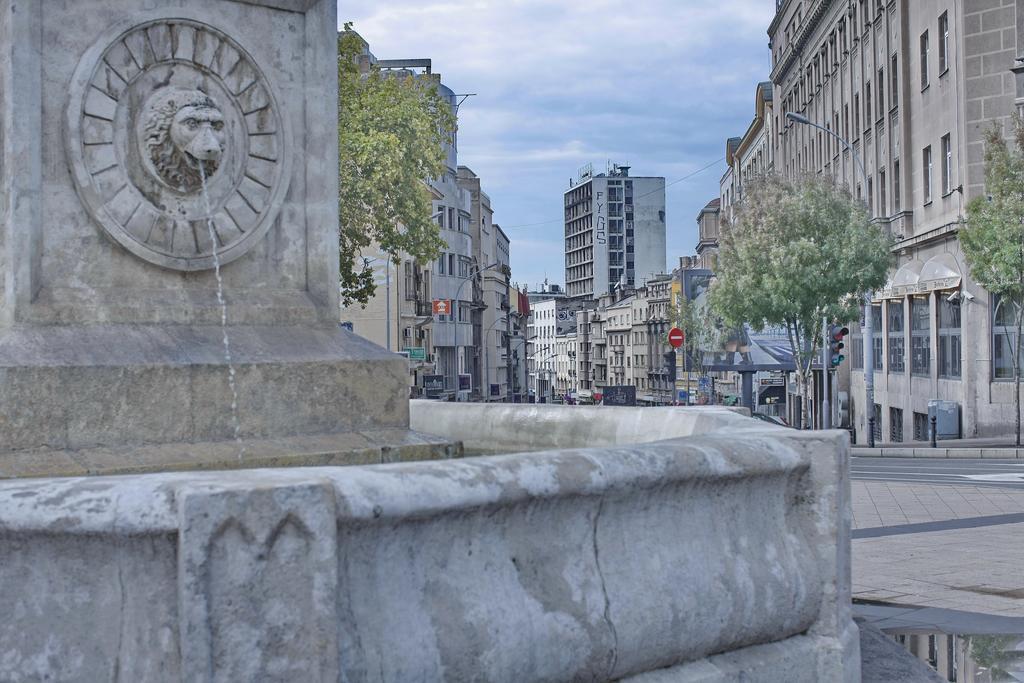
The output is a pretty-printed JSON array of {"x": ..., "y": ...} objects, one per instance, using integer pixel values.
[{"x": 951, "y": 547}]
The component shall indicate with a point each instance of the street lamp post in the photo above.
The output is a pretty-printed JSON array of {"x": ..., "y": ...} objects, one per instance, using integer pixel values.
[
  {"x": 547, "y": 372},
  {"x": 457, "y": 308},
  {"x": 869, "y": 323}
]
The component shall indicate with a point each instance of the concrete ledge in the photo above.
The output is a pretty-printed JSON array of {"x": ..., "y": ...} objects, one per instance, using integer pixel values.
[
  {"x": 588, "y": 564},
  {"x": 131, "y": 385}
]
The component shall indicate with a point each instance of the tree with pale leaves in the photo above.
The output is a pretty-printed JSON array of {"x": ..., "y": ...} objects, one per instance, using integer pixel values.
[
  {"x": 993, "y": 243},
  {"x": 798, "y": 250},
  {"x": 393, "y": 134}
]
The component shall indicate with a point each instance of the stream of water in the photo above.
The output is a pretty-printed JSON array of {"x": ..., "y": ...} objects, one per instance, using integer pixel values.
[{"x": 223, "y": 317}]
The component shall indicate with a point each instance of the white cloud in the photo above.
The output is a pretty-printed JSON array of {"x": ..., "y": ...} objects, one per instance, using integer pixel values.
[{"x": 659, "y": 84}]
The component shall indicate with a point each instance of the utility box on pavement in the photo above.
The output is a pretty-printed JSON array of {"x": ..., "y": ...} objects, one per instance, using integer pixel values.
[{"x": 947, "y": 418}]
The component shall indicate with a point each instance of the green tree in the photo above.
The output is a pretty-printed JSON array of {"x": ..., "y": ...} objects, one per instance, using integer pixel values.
[
  {"x": 393, "y": 132},
  {"x": 993, "y": 240},
  {"x": 996, "y": 654},
  {"x": 798, "y": 250}
]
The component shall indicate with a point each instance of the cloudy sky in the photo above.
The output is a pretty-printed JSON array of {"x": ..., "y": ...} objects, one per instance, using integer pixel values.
[{"x": 655, "y": 84}]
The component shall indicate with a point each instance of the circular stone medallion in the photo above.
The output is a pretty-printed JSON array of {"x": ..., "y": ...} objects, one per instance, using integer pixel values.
[{"x": 160, "y": 111}]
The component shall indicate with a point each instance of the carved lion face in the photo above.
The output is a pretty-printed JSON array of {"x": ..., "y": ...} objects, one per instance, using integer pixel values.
[{"x": 184, "y": 132}]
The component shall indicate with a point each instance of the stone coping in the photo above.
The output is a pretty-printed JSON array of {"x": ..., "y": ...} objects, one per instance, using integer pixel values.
[
  {"x": 320, "y": 450},
  {"x": 525, "y": 427},
  {"x": 27, "y": 504}
]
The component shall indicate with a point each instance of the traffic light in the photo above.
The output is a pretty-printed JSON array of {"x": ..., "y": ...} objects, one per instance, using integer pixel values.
[
  {"x": 670, "y": 366},
  {"x": 836, "y": 334}
]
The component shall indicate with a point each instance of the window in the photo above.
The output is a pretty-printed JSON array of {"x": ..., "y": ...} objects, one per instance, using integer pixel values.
[
  {"x": 871, "y": 199},
  {"x": 856, "y": 114},
  {"x": 410, "y": 282},
  {"x": 949, "y": 338},
  {"x": 897, "y": 338},
  {"x": 920, "y": 337},
  {"x": 882, "y": 206},
  {"x": 920, "y": 426},
  {"x": 895, "y": 425},
  {"x": 878, "y": 423},
  {"x": 440, "y": 264},
  {"x": 440, "y": 216},
  {"x": 926, "y": 173},
  {"x": 451, "y": 264},
  {"x": 924, "y": 60},
  {"x": 894, "y": 83},
  {"x": 857, "y": 352},
  {"x": 1004, "y": 332},
  {"x": 881, "y": 93},
  {"x": 947, "y": 165},
  {"x": 876, "y": 332},
  {"x": 943, "y": 43},
  {"x": 896, "y": 186},
  {"x": 867, "y": 105}
]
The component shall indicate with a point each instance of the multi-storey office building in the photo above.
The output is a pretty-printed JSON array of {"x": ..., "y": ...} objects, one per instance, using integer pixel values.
[
  {"x": 490, "y": 305},
  {"x": 750, "y": 155},
  {"x": 911, "y": 85},
  {"x": 551, "y": 320},
  {"x": 614, "y": 230}
]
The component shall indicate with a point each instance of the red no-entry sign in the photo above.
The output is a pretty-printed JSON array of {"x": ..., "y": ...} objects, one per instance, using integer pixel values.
[{"x": 676, "y": 337}]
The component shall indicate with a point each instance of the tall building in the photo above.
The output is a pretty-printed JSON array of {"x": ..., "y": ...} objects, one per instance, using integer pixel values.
[
  {"x": 400, "y": 316},
  {"x": 911, "y": 86},
  {"x": 614, "y": 230},
  {"x": 492, "y": 324}
]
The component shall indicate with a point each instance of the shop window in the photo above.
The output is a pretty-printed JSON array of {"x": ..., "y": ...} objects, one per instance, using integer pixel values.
[
  {"x": 949, "y": 338},
  {"x": 895, "y": 425},
  {"x": 920, "y": 337},
  {"x": 897, "y": 336}
]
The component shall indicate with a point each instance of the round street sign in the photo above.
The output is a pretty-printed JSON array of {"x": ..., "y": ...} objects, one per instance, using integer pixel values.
[{"x": 675, "y": 337}]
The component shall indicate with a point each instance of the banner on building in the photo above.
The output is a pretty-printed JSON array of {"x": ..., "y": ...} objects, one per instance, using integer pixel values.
[{"x": 619, "y": 396}]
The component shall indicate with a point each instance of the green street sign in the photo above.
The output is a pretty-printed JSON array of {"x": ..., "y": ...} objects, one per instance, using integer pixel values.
[{"x": 416, "y": 353}]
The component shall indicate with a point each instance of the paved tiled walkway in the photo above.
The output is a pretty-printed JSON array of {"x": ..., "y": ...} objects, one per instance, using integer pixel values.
[{"x": 975, "y": 564}]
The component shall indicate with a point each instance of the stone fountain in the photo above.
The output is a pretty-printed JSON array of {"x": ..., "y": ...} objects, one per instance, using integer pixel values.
[
  {"x": 645, "y": 545},
  {"x": 112, "y": 354}
]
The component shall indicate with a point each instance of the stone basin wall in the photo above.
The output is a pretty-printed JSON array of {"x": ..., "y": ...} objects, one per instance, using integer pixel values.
[{"x": 680, "y": 545}]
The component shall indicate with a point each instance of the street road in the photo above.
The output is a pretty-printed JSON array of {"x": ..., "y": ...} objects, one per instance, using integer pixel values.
[{"x": 979, "y": 472}]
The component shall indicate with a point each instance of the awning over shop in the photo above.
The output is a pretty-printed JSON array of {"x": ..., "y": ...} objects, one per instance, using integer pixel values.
[
  {"x": 920, "y": 277},
  {"x": 940, "y": 272}
]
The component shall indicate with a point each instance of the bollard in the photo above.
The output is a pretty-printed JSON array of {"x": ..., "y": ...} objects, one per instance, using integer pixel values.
[{"x": 933, "y": 419}]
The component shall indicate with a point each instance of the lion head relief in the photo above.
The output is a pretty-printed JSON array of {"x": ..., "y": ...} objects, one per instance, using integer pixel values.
[{"x": 183, "y": 133}]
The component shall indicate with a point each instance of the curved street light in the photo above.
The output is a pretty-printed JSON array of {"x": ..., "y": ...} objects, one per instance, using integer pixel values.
[{"x": 868, "y": 331}]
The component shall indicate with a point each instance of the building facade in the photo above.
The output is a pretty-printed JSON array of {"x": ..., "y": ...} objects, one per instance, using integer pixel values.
[
  {"x": 400, "y": 316},
  {"x": 911, "y": 85},
  {"x": 614, "y": 230}
]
